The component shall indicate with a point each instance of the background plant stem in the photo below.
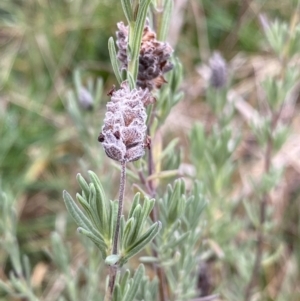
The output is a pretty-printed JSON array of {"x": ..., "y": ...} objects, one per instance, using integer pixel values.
[
  {"x": 262, "y": 216},
  {"x": 152, "y": 191}
]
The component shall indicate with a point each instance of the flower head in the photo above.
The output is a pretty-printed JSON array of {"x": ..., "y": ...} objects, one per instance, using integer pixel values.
[
  {"x": 219, "y": 74},
  {"x": 124, "y": 130},
  {"x": 85, "y": 99},
  {"x": 153, "y": 60}
]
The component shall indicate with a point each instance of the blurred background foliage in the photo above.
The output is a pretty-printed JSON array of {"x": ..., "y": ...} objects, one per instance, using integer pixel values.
[{"x": 42, "y": 148}]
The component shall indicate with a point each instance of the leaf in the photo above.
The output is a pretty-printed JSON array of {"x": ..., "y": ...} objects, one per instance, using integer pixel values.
[
  {"x": 149, "y": 259},
  {"x": 137, "y": 278},
  {"x": 173, "y": 201},
  {"x": 100, "y": 205},
  {"x": 165, "y": 22},
  {"x": 137, "y": 216},
  {"x": 176, "y": 241},
  {"x": 127, "y": 9},
  {"x": 97, "y": 240},
  {"x": 117, "y": 294},
  {"x": 142, "y": 242},
  {"x": 136, "y": 201},
  {"x": 131, "y": 80},
  {"x": 83, "y": 184},
  {"x": 169, "y": 149},
  {"x": 113, "y": 212},
  {"x": 78, "y": 215},
  {"x": 114, "y": 60},
  {"x": 122, "y": 227},
  {"x": 86, "y": 206},
  {"x": 128, "y": 232},
  {"x": 147, "y": 208},
  {"x": 139, "y": 27},
  {"x": 124, "y": 281},
  {"x": 93, "y": 205}
]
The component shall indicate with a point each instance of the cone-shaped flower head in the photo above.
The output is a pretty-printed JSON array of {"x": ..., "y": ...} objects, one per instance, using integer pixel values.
[
  {"x": 124, "y": 130},
  {"x": 219, "y": 74},
  {"x": 153, "y": 60}
]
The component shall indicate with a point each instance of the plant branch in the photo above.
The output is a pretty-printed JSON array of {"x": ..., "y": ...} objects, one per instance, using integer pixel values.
[
  {"x": 152, "y": 191},
  {"x": 263, "y": 207},
  {"x": 113, "y": 268}
]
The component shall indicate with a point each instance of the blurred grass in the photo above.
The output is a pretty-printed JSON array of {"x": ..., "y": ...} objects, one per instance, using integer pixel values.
[{"x": 41, "y": 43}]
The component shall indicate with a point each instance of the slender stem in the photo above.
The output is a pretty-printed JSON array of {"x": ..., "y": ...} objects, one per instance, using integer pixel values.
[
  {"x": 152, "y": 191},
  {"x": 120, "y": 208},
  {"x": 262, "y": 217},
  {"x": 113, "y": 268}
]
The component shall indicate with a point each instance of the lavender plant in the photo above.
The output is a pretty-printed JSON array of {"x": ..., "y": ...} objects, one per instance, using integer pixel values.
[
  {"x": 216, "y": 166},
  {"x": 20, "y": 282},
  {"x": 136, "y": 111},
  {"x": 271, "y": 131},
  {"x": 123, "y": 138}
]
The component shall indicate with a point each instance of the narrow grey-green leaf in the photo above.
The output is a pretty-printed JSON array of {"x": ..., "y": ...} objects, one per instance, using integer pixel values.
[
  {"x": 94, "y": 212},
  {"x": 27, "y": 269},
  {"x": 139, "y": 27},
  {"x": 131, "y": 79},
  {"x": 127, "y": 9},
  {"x": 96, "y": 239},
  {"x": 135, "y": 202},
  {"x": 86, "y": 206},
  {"x": 83, "y": 184},
  {"x": 114, "y": 60},
  {"x": 137, "y": 222},
  {"x": 142, "y": 242},
  {"x": 112, "y": 218},
  {"x": 169, "y": 149},
  {"x": 117, "y": 296},
  {"x": 176, "y": 76},
  {"x": 147, "y": 208},
  {"x": 124, "y": 281},
  {"x": 122, "y": 229},
  {"x": 149, "y": 259},
  {"x": 137, "y": 278},
  {"x": 78, "y": 215},
  {"x": 128, "y": 232},
  {"x": 176, "y": 241},
  {"x": 165, "y": 22},
  {"x": 141, "y": 218},
  {"x": 100, "y": 207},
  {"x": 173, "y": 202}
]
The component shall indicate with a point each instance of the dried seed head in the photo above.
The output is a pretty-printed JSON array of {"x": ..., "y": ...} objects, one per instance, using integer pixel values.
[
  {"x": 124, "y": 130},
  {"x": 153, "y": 60},
  {"x": 122, "y": 41},
  {"x": 219, "y": 74}
]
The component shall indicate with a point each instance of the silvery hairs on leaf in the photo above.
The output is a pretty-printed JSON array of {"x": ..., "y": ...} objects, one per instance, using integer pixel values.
[
  {"x": 218, "y": 69},
  {"x": 153, "y": 60},
  {"x": 124, "y": 130}
]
